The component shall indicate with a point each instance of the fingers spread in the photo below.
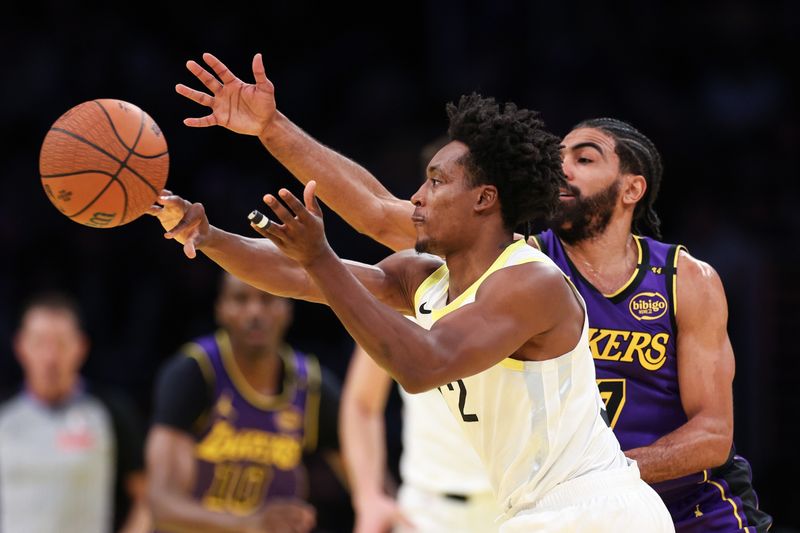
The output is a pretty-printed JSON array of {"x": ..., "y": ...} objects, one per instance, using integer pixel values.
[
  {"x": 219, "y": 68},
  {"x": 277, "y": 207},
  {"x": 202, "y": 122},
  {"x": 193, "y": 95},
  {"x": 294, "y": 204},
  {"x": 211, "y": 83}
]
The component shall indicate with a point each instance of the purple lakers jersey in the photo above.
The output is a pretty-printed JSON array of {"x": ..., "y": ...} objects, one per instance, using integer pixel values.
[
  {"x": 632, "y": 338},
  {"x": 250, "y": 446}
]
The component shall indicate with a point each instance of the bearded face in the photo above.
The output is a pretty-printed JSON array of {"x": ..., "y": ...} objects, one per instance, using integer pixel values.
[{"x": 581, "y": 217}]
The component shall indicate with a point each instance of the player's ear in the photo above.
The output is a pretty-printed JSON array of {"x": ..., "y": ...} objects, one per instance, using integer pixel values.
[
  {"x": 487, "y": 197},
  {"x": 634, "y": 187}
]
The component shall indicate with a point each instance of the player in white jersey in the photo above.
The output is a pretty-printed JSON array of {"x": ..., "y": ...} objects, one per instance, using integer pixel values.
[
  {"x": 444, "y": 485},
  {"x": 500, "y": 170}
]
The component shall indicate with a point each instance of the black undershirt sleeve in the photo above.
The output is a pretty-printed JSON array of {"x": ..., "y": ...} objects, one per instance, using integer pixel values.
[{"x": 182, "y": 394}]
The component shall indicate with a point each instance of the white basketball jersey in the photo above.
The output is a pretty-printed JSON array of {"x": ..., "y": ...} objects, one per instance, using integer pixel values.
[
  {"x": 436, "y": 454},
  {"x": 534, "y": 424}
]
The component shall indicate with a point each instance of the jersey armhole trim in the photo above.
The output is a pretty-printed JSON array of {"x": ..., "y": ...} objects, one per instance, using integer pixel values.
[{"x": 672, "y": 282}]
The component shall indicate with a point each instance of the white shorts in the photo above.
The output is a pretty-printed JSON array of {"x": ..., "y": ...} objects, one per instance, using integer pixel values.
[
  {"x": 614, "y": 502},
  {"x": 435, "y": 513}
]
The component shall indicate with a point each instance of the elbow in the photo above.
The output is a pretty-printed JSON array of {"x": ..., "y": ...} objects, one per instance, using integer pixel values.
[
  {"x": 412, "y": 386},
  {"x": 721, "y": 451},
  {"x": 419, "y": 382}
]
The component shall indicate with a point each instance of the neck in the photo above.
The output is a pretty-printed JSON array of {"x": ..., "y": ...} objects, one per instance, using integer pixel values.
[
  {"x": 607, "y": 260},
  {"x": 261, "y": 369},
  {"x": 52, "y": 398},
  {"x": 468, "y": 264}
]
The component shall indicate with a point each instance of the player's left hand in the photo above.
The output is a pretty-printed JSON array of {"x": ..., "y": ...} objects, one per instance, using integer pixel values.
[{"x": 301, "y": 235}]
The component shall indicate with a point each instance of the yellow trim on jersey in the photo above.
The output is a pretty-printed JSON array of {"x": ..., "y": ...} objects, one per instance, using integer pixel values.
[
  {"x": 513, "y": 364},
  {"x": 729, "y": 500},
  {"x": 255, "y": 398},
  {"x": 498, "y": 263},
  {"x": 635, "y": 271},
  {"x": 194, "y": 351},
  {"x": 675, "y": 280},
  {"x": 313, "y": 395},
  {"x": 429, "y": 282}
]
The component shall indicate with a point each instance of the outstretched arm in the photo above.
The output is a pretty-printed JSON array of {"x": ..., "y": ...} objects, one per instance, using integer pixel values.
[
  {"x": 258, "y": 262},
  {"x": 347, "y": 187},
  {"x": 705, "y": 376}
]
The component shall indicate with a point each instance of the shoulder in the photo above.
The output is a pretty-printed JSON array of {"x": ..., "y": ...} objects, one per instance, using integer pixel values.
[
  {"x": 411, "y": 260},
  {"x": 695, "y": 274},
  {"x": 535, "y": 281},
  {"x": 184, "y": 366},
  {"x": 699, "y": 288},
  {"x": 408, "y": 270},
  {"x": 8, "y": 404}
]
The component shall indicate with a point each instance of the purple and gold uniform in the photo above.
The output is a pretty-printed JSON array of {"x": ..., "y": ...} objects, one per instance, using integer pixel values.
[
  {"x": 251, "y": 446},
  {"x": 632, "y": 335}
]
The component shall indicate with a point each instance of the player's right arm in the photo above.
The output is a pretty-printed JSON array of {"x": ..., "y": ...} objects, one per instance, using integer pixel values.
[
  {"x": 182, "y": 398},
  {"x": 259, "y": 262},
  {"x": 363, "y": 438},
  {"x": 347, "y": 187}
]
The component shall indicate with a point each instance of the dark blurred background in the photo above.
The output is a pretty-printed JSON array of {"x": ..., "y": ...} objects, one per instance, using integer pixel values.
[{"x": 709, "y": 82}]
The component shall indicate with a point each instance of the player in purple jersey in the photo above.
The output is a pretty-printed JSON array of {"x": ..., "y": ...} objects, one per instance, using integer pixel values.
[
  {"x": 236, "y": 415},
  {"x": 669, "y": 395}
]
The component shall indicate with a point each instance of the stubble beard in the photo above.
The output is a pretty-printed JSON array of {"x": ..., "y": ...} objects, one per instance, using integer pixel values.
[{"x": 585, "y": 217}]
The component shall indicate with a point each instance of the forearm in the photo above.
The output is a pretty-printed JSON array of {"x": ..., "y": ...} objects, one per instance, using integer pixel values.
[
  {"x": 697, "y": 445},
  {"x": 259, "y": 263},
  {"x": 399, "y": 346},
  {"x": 345, "y": 186},
  {"x": 363, "y": 437},
  {"x": 179, "y": 513}
]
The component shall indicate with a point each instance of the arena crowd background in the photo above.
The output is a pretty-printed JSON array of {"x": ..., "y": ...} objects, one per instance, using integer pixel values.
[{"x": 709, "y": 82}]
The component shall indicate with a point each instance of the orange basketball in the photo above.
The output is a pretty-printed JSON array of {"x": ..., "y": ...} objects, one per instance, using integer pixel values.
[{"x": 103, "y": 163}]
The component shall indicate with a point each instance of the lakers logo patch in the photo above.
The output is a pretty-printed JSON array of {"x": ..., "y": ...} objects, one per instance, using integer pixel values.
[{"x": 648, "y": 306}]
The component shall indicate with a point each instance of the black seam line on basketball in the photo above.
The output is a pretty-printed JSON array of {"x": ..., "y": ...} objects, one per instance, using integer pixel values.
[
  {"x": 77, "y": 173},
  {"x": 125, "y": 163},
  {"x": 102, "y": 191},
  {"x": 114, "y": 128},
  {"x": 131, "y": 150},
  {"x": 132, "y": 171},
  {"x": 90, "y": 143},
  {"x": 142, "y": 156}
]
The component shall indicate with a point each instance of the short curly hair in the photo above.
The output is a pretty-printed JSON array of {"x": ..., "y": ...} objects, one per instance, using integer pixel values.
[{"x": 510, "y": 149}]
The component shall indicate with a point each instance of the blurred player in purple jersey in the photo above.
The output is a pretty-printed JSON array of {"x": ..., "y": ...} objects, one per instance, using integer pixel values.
[
  {"x": 669, "y": 396},
  {"x": 236, "y": 415}
]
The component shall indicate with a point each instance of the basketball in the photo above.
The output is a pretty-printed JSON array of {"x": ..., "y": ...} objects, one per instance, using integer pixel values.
[{"x": 103, "y": 163}]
